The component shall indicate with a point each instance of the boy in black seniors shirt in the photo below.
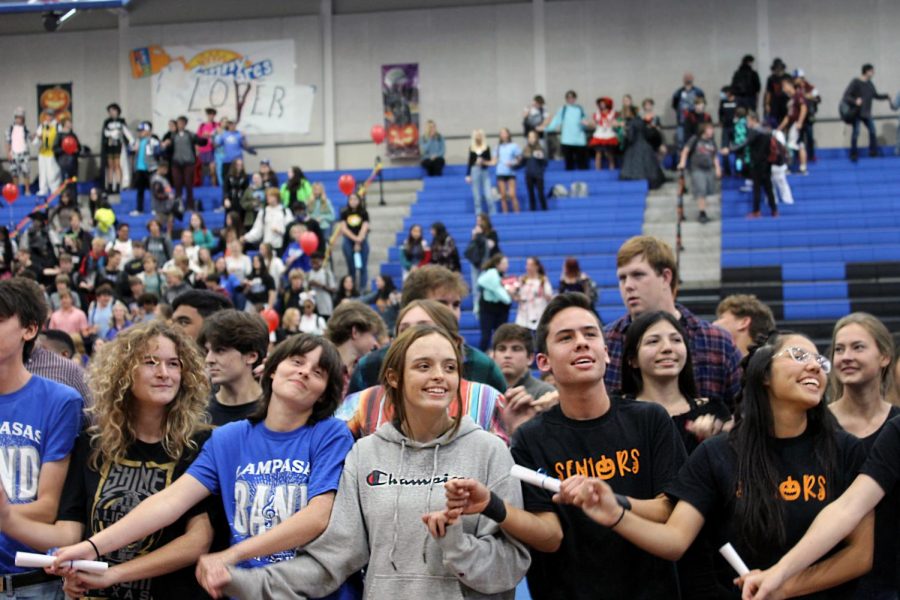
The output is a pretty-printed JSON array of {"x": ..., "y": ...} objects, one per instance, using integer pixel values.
[
  {"x": 759, "y": 486},
  {"x": 633, "y": 445}
]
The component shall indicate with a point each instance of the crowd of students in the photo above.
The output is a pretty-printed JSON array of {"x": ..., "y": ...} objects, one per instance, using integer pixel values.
[
  {"x": 214, "y": 458},
  {"x": 251, "y": 426}
]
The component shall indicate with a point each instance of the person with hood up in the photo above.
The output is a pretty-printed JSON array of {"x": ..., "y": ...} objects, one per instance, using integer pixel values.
[{"x": 393, "y": 482}]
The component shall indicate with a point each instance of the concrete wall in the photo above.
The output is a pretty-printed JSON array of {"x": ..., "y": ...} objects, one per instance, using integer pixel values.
[{"x": 479, "y": 62}]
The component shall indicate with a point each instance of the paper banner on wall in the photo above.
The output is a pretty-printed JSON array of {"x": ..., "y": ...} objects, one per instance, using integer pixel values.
[
  {"x": 251, "y": 83},
  {"x": 54, "y": 101},
  {"x": 400, "y": 95}
]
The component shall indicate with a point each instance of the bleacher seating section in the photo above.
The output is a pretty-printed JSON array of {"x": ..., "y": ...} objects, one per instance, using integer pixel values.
[
  {"x": 835, "y": 251},
  {"x": 590, "y": 228}
]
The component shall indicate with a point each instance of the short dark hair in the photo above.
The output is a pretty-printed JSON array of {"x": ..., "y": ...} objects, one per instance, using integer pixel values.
[
  {"x": 104, "y": 288},
  {"x": 330, "y": 362},
  {"x": 510, "y": 332},
  {"x": 867, "y": 67},
  {"x": 349, "y": 315},
  {"x": 23, "y": 299},
  {"x": 242, "y": 331},
  {"x": 60, "y": 339},
  {"x": 148, "y": 298},
  {"x": 206, "y": 302},
  {"x": 559, "y": 303}
]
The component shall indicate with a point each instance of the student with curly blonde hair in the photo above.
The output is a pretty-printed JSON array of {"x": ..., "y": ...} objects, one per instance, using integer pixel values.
[{"x": 147, "y": 425}]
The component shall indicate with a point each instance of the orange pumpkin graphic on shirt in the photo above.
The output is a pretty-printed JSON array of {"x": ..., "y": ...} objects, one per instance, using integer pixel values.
[{"x": 789, "y": 489}]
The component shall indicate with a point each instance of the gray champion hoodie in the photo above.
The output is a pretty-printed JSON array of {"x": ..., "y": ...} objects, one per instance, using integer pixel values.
[{"x": 389, "y": 482}]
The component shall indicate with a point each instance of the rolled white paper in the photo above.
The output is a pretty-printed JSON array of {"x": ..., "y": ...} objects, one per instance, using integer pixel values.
[
  {"x": 551, "y": 484},
  {"x": 731, "y": 555},
  {"x": 39, "y": 561}
]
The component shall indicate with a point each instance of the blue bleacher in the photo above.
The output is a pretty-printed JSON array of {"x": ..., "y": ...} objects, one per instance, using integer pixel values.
[
  {"x": 844, "y": 213},
  {"x": 590, "y": 228}
]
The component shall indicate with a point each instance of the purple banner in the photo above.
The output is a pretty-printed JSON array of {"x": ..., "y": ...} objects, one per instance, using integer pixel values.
[{"x": 400, "y": 94}]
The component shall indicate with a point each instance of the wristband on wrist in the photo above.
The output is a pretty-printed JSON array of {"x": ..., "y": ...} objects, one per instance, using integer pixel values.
[
  {"x": 623, "y": 501},
  {"x": 94, "y": 546},
  {"x": 619, "y": 520},
  {"x": 496, "y": 509}
]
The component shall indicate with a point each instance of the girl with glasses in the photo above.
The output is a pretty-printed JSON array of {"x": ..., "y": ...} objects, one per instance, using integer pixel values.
[
  {"x": 146, "y": 426},
  {"x": 861, "y": 349},
  {"x": 762, "y": 484}
]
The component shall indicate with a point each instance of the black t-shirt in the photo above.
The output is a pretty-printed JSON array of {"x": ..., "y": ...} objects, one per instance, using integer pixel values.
[
  {"x": 778, "y": 99},
  {"x": 883, "y": 465},
  {"x": 635, "y": 448},
  {"x": 708, "y": 483},
  {"x": 699, "y": 407},
  {"x": 221, "y": 414},
  {"x": 99, "y": 499},
  {"x": 354, "y": 218},
  {"x": 258, "y": 287}
]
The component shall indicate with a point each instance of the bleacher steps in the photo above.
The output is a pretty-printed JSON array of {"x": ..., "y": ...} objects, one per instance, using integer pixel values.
[{"x": 384, "y": 223}]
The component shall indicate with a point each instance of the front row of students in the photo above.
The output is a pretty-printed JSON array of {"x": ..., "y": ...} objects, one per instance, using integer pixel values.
[{"x": 427, "y": 501}]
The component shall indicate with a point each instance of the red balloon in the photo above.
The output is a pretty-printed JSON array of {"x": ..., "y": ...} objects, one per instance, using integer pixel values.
[
  {"x": 309, "y": 242},
  {"x": 377, "y": 133},
  {"x": 271, "y": 318},
  {"x": 346, "y": 183},
  {"x": 70, "y": 145},
  {"x": 10, "y": 192}
]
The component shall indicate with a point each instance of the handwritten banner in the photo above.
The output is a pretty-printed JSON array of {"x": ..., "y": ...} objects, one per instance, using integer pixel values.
[{"x": 251, "y": 83}]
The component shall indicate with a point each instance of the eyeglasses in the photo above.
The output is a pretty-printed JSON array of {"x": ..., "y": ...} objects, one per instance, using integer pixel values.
[{"x": 802, "y": 356}]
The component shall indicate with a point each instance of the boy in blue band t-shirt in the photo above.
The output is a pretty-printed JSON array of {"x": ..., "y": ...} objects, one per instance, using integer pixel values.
[
  {"x": 39, "y": 420},
  {"x": 265, "y": 476}
]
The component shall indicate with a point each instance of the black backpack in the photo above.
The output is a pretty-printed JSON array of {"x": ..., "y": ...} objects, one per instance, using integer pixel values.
[{"x": 849, "y": 111}]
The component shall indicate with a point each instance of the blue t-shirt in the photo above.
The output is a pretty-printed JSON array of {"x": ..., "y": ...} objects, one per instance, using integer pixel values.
[
  {"x": 295, "y": 258},
  {"x": 266, "y": 476},
  {"x": 507, "y": 153},
  {"x": 231, "y": 143},
  {"x": 140, "y": 161},
  {"x": 38, "y": 424}
]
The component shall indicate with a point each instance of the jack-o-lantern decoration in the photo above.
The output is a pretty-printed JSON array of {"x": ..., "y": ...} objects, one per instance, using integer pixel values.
[
  {"x": 403, "y": 135},
  {"x": 605, "y": 467},
  {"x": 789, "y": 489},
  {"x": 55, "y": 99}
]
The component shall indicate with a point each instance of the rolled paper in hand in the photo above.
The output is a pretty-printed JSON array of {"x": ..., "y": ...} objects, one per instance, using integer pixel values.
[
  {"x": 551, "y": 484},
  {"x": 39, "y": 561},
  {"x": 731, "y": 555}
]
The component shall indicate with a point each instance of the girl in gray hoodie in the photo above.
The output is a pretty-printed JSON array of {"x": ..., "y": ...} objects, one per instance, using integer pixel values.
[{"x": 392, "y": 482}]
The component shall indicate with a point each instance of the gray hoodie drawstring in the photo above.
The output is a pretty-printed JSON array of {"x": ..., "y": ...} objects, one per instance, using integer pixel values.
[
  {"x": 397, "y": 507},
  {"x": 434, "y": 467}
]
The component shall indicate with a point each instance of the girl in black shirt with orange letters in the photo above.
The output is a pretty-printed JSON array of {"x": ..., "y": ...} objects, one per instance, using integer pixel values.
[{"x": 762, "y": 484}]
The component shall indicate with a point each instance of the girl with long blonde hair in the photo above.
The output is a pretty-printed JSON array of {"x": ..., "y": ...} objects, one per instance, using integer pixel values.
[
  {"x": 147, "y": 424},
  {"x": 478, "y": 171}
]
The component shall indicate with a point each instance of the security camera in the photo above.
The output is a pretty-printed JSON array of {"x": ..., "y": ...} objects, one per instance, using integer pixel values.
[{"x": 53, "y": 20}]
